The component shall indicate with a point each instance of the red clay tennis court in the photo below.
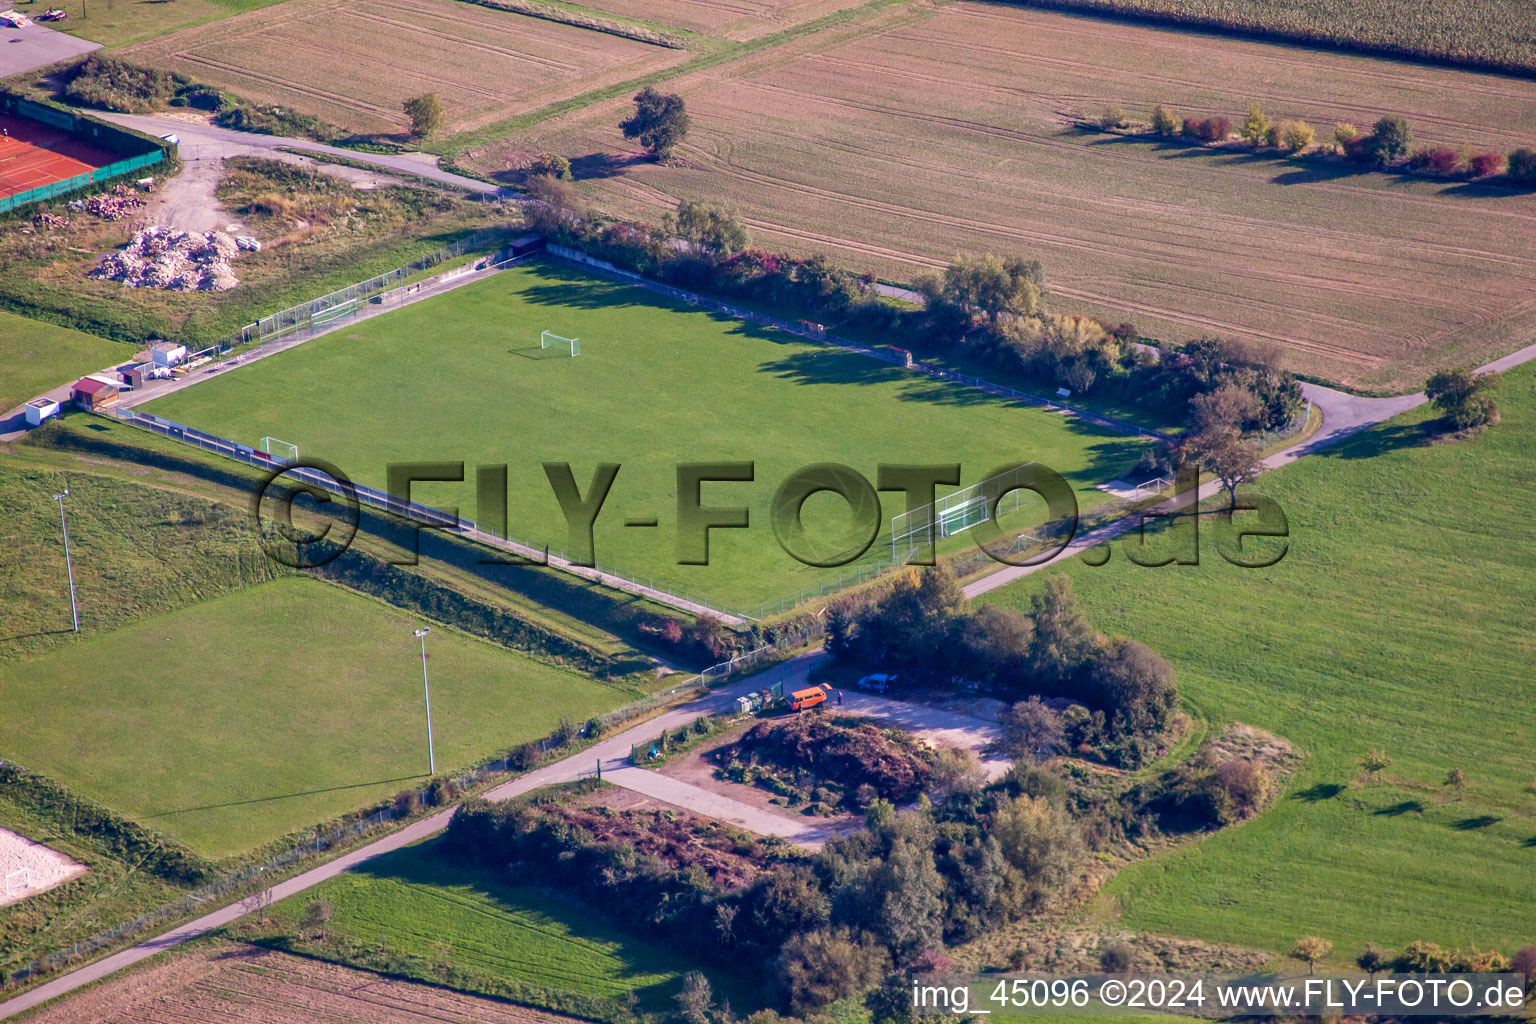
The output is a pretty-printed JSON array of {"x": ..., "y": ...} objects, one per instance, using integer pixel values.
[{"x": 33, "y": 154}]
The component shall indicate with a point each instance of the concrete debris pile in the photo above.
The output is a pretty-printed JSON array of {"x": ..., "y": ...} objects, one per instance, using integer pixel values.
[{"x": 182, "y": 261}]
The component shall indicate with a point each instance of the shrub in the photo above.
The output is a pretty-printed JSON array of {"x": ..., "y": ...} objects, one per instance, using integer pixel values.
[
  {"x": 1111, "y": 117},
  {"x": 1485, "y": 165},
  {"x": 1343, "y": 134},
  {"x": 425, "y": 113},
  {"x": 1440, "y": 161},
  {"x": 1210, "y": 129},
  {"x": 1522, "y": 166},
  {"x": 1524, "y": 962},
  {"x": 442, "y": 792},
  {"x": 1255, "y": 126},
  {"x": 1116, "y": 958},
  {"x": 823, "y": 966},
  {"x": 1388, "y": 142},
  {"x": 552, "y": 164},
  {"x": 1164, "y": 121},
  {"x": 406, "y": 803},
  {"x": 1296, "y": 135},
  {"x": 113, "y": 84}
]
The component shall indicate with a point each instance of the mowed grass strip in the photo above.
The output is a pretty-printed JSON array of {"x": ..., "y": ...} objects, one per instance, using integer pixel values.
[
  {"x": 462, "y": 377},
  {"x": 1400, "y": 620},
  {"x": 422, "y": 905},
  {"x": 897, "y": 142},
  {"x": 38, "y": 357},
  {"x": 234, "y": 721}
]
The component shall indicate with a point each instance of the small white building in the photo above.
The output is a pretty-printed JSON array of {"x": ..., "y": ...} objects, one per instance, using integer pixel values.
[
  {"x": 167, "y": 353},
  {"x": 40, "y": 409}
]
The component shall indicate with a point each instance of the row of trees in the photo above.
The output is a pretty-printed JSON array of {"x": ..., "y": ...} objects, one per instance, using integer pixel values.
[
  {"x": 1126, "y": 691},
  {"x": 1423, "y": 958},
  {"x": 1389, "y": 143}
]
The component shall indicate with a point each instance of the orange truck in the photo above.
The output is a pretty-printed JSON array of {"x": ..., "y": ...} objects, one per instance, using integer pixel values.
[{"x": 807, "y": 698}]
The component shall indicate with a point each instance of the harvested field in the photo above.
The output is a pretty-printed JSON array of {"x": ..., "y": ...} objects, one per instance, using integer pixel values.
[
  {"x": 227, "y": 981},
  {"x": 723, "y": 19},
  {"x": 28, "y": 868},
  {"x": 354, "y": 63},
  {"x": 894, "y": 143}
]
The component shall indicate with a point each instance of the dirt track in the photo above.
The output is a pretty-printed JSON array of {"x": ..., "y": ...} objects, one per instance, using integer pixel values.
[{"x": 231, "y": 982}]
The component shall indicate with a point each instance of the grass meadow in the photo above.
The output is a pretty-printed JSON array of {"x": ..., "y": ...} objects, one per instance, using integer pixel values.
[
  {"x": 1400, "y": 620},
  {"x": 462, "y": 377},
  {"x": 39, "y": 357},
  {"x": 233, "y": 721},
  {"x": 418, "y": 904}
]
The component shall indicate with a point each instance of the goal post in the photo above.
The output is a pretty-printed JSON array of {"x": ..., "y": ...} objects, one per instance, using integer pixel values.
[
  {"x": 960, "y": 511},
  {"x": 279, "y": 449},
  {"x": 549, "y": 339}
]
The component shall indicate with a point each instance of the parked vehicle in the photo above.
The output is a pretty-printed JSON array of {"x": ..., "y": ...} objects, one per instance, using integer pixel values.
[
  {"x": 53, "y": 14},
  {"x": 876, "y": 682},
  {"x": 807, "y": 698}
]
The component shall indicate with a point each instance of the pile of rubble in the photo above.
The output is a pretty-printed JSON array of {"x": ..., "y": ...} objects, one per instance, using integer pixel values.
[
  {"x": 113, "y": 205},
  {"x": 51, "y": 221},
  {"x": 182, "y": 261}
]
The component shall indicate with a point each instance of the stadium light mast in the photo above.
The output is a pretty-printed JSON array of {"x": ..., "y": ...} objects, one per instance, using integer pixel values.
[
  {"x": 421, "y": 634},
  {"x": 69, "y": 567}
]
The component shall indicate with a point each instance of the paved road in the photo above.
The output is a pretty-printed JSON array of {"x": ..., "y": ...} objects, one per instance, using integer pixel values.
[
  {"x": 613, "y": 752},
  {"x": 807, "y": 833},
  {"x": 36, "y": 46},
  {"x": 205, "y": 141}
]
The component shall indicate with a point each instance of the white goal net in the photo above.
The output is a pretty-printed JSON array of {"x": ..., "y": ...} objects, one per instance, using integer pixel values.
[
  {"x": 959, "y": 511},
  {"x": 549, "y": 339},
  {"x": 279, "y": 449},
  {"x": 18, "y": 883}
]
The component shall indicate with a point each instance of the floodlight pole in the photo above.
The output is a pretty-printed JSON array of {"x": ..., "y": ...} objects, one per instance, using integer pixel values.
[
  {"x": 421, "y": 634},
  {"x": 69, "y": 567}
]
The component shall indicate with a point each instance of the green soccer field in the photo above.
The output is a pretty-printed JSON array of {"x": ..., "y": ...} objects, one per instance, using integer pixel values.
[
  {"x": 1400, "y": 620},
  {"x": 463, "y": 377},
  {"x": 236, "y": 720}
]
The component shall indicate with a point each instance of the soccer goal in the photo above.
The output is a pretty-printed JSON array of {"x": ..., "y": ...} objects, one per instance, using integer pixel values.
[
  {"x": 279, "y": 449},
  {"x": 549, "y": 339},
  {"x": 958, "y": 511}
]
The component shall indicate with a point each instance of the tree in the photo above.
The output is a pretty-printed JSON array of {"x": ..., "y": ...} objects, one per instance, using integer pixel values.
[
  {"x": 425, "y": 113},
  {"x": 955, "y": 772},
  {"x": 659, "y": 123},
  {"x": 993, "y": 285},
  {"x": 1373, "y": 959},
  {"x": 1134, "y": 686},
  {"x": 1111, "y": 117},
  {"x": 1256, "y": 127},
  {"x": 1310, "y": 950},
  {"x": 1063, "y": 639},
  {"x": 1038, "y": 839},
  {"x": 1296, "y": 135},
  {"x": 1390, "y": 140},
  {"x": 1524, "y": 962},
  {"x": 1485, "y": 165},
  {"x": 891, "y": 1001},
  {"x": 1229, "y": 407},
  {"x": 1232, "y": 457},
  {"x": 1164, "y": 121},
  {"x": 1461, "y": 395},
  {"x": 1375, "y": 762},
  {"x": 696, "y": 1001},
  {"x": 1032, "y": 729},
  {"x": 317, "y": 913},
  {"x": 258, "y": 903},
  {"x": 552, "y": 164},
  {"x": 995, "y": 643},
  {"x": 820, "y": 967},
  {"x": 1522, "y": 166},
  {"x": 1343, "y": 134},
  {"x": 714, "y": 229},
  {"x": 1456, "y": 779}
]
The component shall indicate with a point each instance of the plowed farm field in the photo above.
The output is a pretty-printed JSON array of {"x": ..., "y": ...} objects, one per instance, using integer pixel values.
[
  {"x": 723, "y": 19},
  {"x": 236, "y": 982},
  {"x": 354, "y": 63},
  {"x": 894, "y": 143}
]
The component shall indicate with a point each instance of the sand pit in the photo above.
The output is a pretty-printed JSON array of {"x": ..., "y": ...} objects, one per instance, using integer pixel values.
[{"x": 28, "y": 868}]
